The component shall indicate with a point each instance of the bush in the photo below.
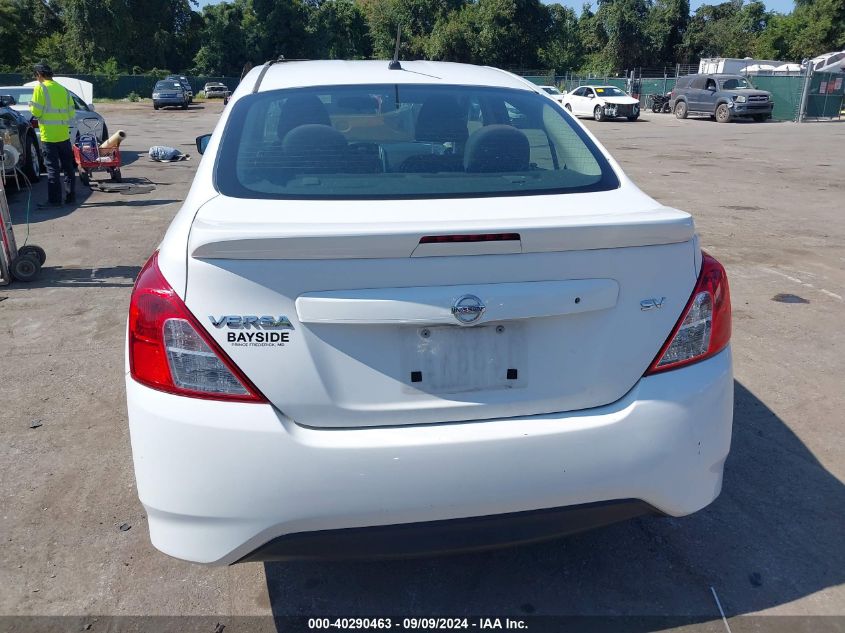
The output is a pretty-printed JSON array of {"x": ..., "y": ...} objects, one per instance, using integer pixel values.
[{"x": 133, "y": 97}]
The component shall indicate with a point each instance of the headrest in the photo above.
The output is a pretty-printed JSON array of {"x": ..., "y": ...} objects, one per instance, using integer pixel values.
[
  {"x": 314, "y": 149},
  {"x": 497, "y": 148},
  {"x": 441, "y": 119},
  {"x": 301, "y": 110}
]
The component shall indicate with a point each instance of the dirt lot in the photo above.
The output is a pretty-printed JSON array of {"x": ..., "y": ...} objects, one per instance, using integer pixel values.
[{"x": 768, "y": 200}]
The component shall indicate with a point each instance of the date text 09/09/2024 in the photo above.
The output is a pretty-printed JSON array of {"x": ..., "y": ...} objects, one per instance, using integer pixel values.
[{"x": 436, "y": 624}]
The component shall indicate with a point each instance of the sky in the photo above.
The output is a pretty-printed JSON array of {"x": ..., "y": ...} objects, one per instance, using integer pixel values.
[{"x": 783, "y": 6}]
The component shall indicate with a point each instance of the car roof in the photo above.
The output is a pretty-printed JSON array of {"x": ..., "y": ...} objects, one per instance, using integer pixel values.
[{"x": 300, "y": 74}]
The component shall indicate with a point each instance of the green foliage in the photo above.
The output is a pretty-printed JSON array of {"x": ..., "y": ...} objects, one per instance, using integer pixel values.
[
  {"x": 133, "y": 96},
  {"x": 105, "y": 37}
]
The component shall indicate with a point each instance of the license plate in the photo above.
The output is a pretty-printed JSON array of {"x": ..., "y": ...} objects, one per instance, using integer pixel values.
[{"x": 454, "y": 359}]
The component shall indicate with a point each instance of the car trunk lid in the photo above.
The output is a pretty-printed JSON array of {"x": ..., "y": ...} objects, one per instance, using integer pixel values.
[{"x": 345, "y": 323}]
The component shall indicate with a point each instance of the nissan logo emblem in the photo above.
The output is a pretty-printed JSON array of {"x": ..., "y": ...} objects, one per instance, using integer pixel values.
[{"x": 468, "y": 309}]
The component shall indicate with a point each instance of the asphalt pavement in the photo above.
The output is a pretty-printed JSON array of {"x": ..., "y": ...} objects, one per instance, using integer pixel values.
[{"x": 769, "y": 202}]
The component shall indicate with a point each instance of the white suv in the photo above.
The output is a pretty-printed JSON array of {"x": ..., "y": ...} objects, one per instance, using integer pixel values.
[{"x": 418, "y": 310}]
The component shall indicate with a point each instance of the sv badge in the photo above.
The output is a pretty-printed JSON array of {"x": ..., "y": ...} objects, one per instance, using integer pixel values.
[{"x": 652, "y": 304}]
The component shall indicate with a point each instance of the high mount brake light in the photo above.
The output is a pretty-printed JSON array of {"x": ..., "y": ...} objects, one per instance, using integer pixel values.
[
  {"x": 169, "y": 351},
  {"x": 704, "y": 328}
]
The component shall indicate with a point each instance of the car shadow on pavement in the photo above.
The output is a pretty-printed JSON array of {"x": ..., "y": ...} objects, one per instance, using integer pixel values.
[
  {"x": 105, "y": 277},
  {"x": 773, "y": 536}
]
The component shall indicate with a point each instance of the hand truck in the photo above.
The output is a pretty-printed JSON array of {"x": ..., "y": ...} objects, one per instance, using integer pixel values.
[{"x": 22, "y": 263}]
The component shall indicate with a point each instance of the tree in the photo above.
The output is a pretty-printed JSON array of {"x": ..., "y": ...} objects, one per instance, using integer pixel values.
[
  {"x": 223, "y": 50},
  {"x": 562, "y": 49},
  {"x": 664, "y": 31},
  {"x": 623, "y": 22},
  {"x": 338, "y": 29},
  {"x": 276, "y": 27},
  {"x": 416, "y": 17}
]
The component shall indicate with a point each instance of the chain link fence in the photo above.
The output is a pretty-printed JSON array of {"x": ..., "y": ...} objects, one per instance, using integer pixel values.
[
  {"x": 122, "y": 86},
  {"x": 797, "y": 96}
]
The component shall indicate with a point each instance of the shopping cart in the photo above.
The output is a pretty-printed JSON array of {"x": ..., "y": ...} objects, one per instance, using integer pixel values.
[{"x": 90, "y": 158}]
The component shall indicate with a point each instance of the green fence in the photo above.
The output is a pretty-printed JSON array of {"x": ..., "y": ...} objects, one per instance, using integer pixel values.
[
  {"x": 124, "y": 84},
  {"x": 786, "y": 93},
  {"x": 825, "y": 95}
]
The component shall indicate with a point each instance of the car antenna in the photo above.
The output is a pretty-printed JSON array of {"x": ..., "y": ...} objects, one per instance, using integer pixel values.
[{"x": 394, "y": 63}]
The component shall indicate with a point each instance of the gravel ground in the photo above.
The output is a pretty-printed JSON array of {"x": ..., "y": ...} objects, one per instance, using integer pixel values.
[{"x": 768, "y": 200}]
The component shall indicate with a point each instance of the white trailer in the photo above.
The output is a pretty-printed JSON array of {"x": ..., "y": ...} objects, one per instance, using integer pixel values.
[{"x": 732, "y": 65}]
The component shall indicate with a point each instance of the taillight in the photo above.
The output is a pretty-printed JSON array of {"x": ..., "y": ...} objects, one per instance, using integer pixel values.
[
  {"x": 704, "y": 328},
  {"x": 169, "y": 351}
]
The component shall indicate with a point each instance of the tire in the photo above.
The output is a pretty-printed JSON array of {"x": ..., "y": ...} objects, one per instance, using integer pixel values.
[
  {"x": 723, "y": 113},
  {"x": 156, "y": 106},
  {"x": 105, "y": 133},
  {"x": 761, "y": 118},
  {"x": 185, "y": 106},
  {"x": 116, "y": 175},
  {"x": 32, "y": 168},
  {"x": 85, "y": 178},
  {"x": 25, "y": 268},
  {"x": 598, "y": 113},
  {"x": 633, "y": 117},
  {"x": 681, "y": 110},
  {"x": 31, "y": 250}
]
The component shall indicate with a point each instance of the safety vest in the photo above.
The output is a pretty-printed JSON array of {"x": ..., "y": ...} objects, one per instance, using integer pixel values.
[{"x": 53, "y": 106}]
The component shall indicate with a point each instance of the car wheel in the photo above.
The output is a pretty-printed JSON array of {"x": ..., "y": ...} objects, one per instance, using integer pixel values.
[
  {"x": 760, "y": 118},
  {"x": 185, "y": 106},
  {"x": 681, "y": 110},
  {"x": 32, "y": 167},
  {"x": 633, "y": 117},
  {"x": 598, "y": 113},
  {"x": 156, "y": 106},
  {"x": 105, "y": 134},
  {"x": 723, "y": 114}
]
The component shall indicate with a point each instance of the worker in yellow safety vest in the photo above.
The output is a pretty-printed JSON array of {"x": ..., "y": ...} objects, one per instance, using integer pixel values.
[{"x": 53, "y": 106}]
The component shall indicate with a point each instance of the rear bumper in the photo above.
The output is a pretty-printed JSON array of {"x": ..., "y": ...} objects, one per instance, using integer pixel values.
[
  {"x": 221, "y": 480},
  {"x": 452, "y": 535}
]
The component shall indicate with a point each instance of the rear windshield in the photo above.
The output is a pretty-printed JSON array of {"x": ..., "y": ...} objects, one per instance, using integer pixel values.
[{"x": 404, "y": 141}]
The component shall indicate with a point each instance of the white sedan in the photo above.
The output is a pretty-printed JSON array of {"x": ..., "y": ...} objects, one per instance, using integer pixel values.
[
  {"x": 553, "y": 92},
  {"x": 355, "y": 340},
  {"x": 601, "y": 103}
]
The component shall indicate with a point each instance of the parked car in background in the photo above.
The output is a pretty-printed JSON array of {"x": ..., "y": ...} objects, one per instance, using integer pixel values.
[
  {"x": 388, "y": 320},
  {"x": 186, "y": 85},
  {"x": 723, "y": 97},
  {"x": 553, "y": 92},
  {"x": 601, "y": 103},
  {"x": 169, "y": 92},
  {"x": 215, "y": 89},
  {"x": 18, "y": 134},
  {"x": 85, "y": 119}
]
